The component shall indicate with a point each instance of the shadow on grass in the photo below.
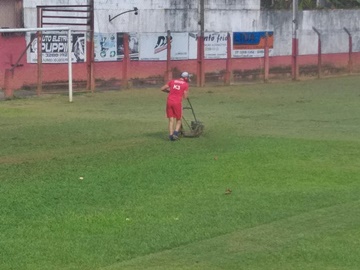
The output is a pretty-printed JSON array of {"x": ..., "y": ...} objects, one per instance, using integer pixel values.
[{"x": 163, "y": 135}]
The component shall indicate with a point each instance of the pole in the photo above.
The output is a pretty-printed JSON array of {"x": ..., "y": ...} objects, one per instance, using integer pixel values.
[
  {"x": 39, "y": 52},
  {"x": 350, "y": 63},
  {"x": 266, "y": 58},
  {"x": 319, "y": 51},
  {"x": 168, "y": 57},
  {"x": 126, "y": 61},
  {"x": 295, "y": 42},
  {"x": 7, "y": 83},
  {"x": 201, "y": 45},
  {"x": 90, "y": 52},
  {"x": 228, "y": 70},
  {"x": 70, "y": 67}
]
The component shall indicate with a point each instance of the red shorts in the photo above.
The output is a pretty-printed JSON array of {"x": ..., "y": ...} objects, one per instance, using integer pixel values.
[{"x": 174, "y": 110}]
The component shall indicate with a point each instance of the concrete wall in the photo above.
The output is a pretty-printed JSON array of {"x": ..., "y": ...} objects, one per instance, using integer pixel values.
[
  {"x": 220, "y": 16},
  {"x": 329, "y": 23},
  {"x": 183, "y": 16},
  {"x": 158, "y": 15}
]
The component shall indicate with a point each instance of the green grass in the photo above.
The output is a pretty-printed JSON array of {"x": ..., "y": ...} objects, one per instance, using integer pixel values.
[{"x": 290, "y": 153}]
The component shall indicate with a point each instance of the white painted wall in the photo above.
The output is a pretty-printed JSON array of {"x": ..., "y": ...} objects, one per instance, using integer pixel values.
[
  {"x": 280, "y": 23},
  {"x": 331, "y": 26},
  {"x": 174, "y": 15},
  {"x": 220, "y": 16},
  {"x": 330, "y": 23},
  {"x": 158, "y": 15}
]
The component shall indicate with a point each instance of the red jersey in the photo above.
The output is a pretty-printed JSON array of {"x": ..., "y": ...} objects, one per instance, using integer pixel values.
[{"x": 177, "y": 89}]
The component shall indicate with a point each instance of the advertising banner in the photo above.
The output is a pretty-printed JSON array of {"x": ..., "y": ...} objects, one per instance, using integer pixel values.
[
  {"x": 133, "y": 46},
  {"x": 55, "y": 48},
  {"x": 105, "y": 47},
  {"x": 153, "y": 46},
  {"x": 179, "y": 46},
  {"x": 251, "y": 44},
  {"x": 215, "y": 45}
]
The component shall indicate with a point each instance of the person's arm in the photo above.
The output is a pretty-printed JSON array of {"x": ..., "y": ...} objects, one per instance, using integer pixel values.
[
  {"x": 165, "y": 88},
  {"x": 186, "y": 94}
]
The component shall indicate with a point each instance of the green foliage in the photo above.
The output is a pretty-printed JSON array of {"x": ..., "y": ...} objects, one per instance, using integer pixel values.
[
  {"x": 276, "y": 4},
  {"x": 95, "y": 184},
  {"x": 307, "y": 4},
  {"x": 310, "y": 4},
  {"x": 344, "y": 3}
]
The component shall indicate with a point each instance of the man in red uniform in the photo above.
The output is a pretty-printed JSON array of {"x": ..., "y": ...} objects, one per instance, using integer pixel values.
[{"x": 177, "y": 89}]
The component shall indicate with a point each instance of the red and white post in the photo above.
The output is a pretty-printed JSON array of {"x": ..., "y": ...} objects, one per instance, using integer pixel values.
[{"x": 295, "y": 42}]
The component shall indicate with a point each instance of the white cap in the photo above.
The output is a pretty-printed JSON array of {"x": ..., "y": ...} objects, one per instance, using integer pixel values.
[{"x": 185, "y": 75}]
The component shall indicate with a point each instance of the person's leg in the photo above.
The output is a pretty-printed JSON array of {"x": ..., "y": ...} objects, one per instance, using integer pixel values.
[
  {"x": 176, "y": 133},
  {"x": 171, "y": 128},
  {"x": 170, "y": 116},
  {"x": 178, "y": 117},
  {"x": 178, "y": 125},
  {"x": 171, "y": 125}
]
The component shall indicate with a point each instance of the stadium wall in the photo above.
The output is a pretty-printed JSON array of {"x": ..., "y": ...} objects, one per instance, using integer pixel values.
[{"x": 183, "y": 16}]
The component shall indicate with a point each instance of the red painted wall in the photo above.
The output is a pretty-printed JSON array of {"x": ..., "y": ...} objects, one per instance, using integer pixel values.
[{"x": 26, "y": 74}]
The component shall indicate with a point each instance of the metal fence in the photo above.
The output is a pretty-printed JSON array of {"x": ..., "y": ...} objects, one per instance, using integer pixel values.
[{"x": 103, "y": 61}]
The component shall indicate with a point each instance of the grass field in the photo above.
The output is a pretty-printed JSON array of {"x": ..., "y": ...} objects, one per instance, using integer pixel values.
[{"x": 290, "y": 153}]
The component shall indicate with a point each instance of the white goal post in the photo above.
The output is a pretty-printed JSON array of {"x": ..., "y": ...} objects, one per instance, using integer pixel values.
[{"x": 53, "y": 29}]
